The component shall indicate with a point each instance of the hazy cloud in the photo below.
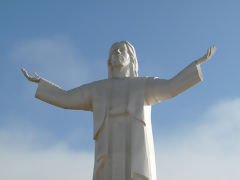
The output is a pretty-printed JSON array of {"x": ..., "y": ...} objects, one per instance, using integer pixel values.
[
  {"x": 53, "y": 58},
  {"x": 24, "y": 158},
  {"x": 210, "y": 151}
]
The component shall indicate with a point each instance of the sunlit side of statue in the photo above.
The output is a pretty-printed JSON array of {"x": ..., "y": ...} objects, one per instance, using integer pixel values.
[{"x": 121, "y": 107}]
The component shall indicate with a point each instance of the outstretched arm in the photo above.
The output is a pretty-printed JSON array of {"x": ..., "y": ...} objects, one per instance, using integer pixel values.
[
  {"x": 159, "y": 89},
  {"x": 78, "y": 98}
]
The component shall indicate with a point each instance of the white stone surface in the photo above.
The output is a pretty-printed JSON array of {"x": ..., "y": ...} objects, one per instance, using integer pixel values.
[{"x": 121, "y": 107}]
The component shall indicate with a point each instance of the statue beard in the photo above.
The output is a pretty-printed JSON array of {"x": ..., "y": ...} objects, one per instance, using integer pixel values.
[
  {"x": 118, "y": 63},
  {"x": 120, "y": 66},
  {"x": 120, "y": 71}
]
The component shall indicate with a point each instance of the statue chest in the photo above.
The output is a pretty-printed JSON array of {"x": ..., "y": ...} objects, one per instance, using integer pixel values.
[{"x": 118, "y": 93}]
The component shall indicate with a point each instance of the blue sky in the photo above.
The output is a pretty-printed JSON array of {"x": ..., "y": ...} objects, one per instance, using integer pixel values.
[{"x": 67, "y": 42}]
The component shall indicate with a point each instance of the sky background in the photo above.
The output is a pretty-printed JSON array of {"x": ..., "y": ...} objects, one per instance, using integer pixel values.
[{"x": 67, "y": 42}]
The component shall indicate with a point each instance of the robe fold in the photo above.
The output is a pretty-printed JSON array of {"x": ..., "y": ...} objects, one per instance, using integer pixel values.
[{"x": 122, "y": 115}]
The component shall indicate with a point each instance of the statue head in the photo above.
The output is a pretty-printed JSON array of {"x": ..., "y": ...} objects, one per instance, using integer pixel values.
[{"x": 122, "y": 58}]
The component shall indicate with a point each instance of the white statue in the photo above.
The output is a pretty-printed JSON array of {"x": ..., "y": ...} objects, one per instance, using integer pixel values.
[{"x": 121, "y": 107}]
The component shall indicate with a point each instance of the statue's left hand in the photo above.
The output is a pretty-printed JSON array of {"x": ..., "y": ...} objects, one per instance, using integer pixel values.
[
  {"x": 207, "y": 56},
  {"x": 35, "y": 79}
]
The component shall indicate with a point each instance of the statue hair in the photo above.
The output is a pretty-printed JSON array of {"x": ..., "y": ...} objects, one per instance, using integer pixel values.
[{"x": 133, "y": 59}]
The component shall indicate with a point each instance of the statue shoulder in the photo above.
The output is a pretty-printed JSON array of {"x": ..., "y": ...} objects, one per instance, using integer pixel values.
[
  {"x": 150, "y": 82},
  {"x": 90, "y": 86},
  {"x": 147, "y": 78},
  {"x": 99, "y": 82},
  {"x": 99, "y": 85}
]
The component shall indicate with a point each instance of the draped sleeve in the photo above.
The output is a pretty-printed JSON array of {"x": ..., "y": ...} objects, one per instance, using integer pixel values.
[
  {"x": 79, "y": 98},
  {"x": 161, "y": 89}
]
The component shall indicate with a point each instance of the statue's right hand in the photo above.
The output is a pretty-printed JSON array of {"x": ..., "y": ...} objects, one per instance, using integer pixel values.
[
  {"x": 207, "y": 56},
  {"x": 33, "y": 79}
]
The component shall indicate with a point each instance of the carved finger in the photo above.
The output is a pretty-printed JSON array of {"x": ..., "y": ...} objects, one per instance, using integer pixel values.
[
  {"x": 25, "y": 73},
  {"x": 213, "y": 48},
  {"x": 23, "y": 70},
  {"x": 212, "y": 51},
  {"x": 37, "y": 78},
  {"x": 35, "y": 75},
  {"x": 209, "y": 52}
]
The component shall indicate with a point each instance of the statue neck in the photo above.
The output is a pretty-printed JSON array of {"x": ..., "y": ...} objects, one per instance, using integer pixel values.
[{"x": 121, "y": 72}]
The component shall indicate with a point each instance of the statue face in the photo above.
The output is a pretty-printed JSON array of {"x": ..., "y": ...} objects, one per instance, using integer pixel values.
[{"x": 120, "y": 56}]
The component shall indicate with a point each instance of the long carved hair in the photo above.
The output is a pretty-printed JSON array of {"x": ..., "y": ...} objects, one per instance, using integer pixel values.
[{"x": 133, "y": 59}]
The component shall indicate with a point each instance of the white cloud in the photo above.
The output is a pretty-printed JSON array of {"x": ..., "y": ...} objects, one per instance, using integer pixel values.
[
  {"x": 209, "y": 152},
  {"x": 53, "y": 58},
  {"x": 23, "y": 158},
  {"x": 54, "y": 163}
]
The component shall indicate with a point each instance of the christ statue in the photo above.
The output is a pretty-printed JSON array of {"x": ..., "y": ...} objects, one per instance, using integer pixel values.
[{"x": 121, "y": 106}]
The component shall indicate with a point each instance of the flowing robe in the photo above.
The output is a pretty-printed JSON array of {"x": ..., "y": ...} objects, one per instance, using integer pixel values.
[{"x": 121, "y": 107}]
